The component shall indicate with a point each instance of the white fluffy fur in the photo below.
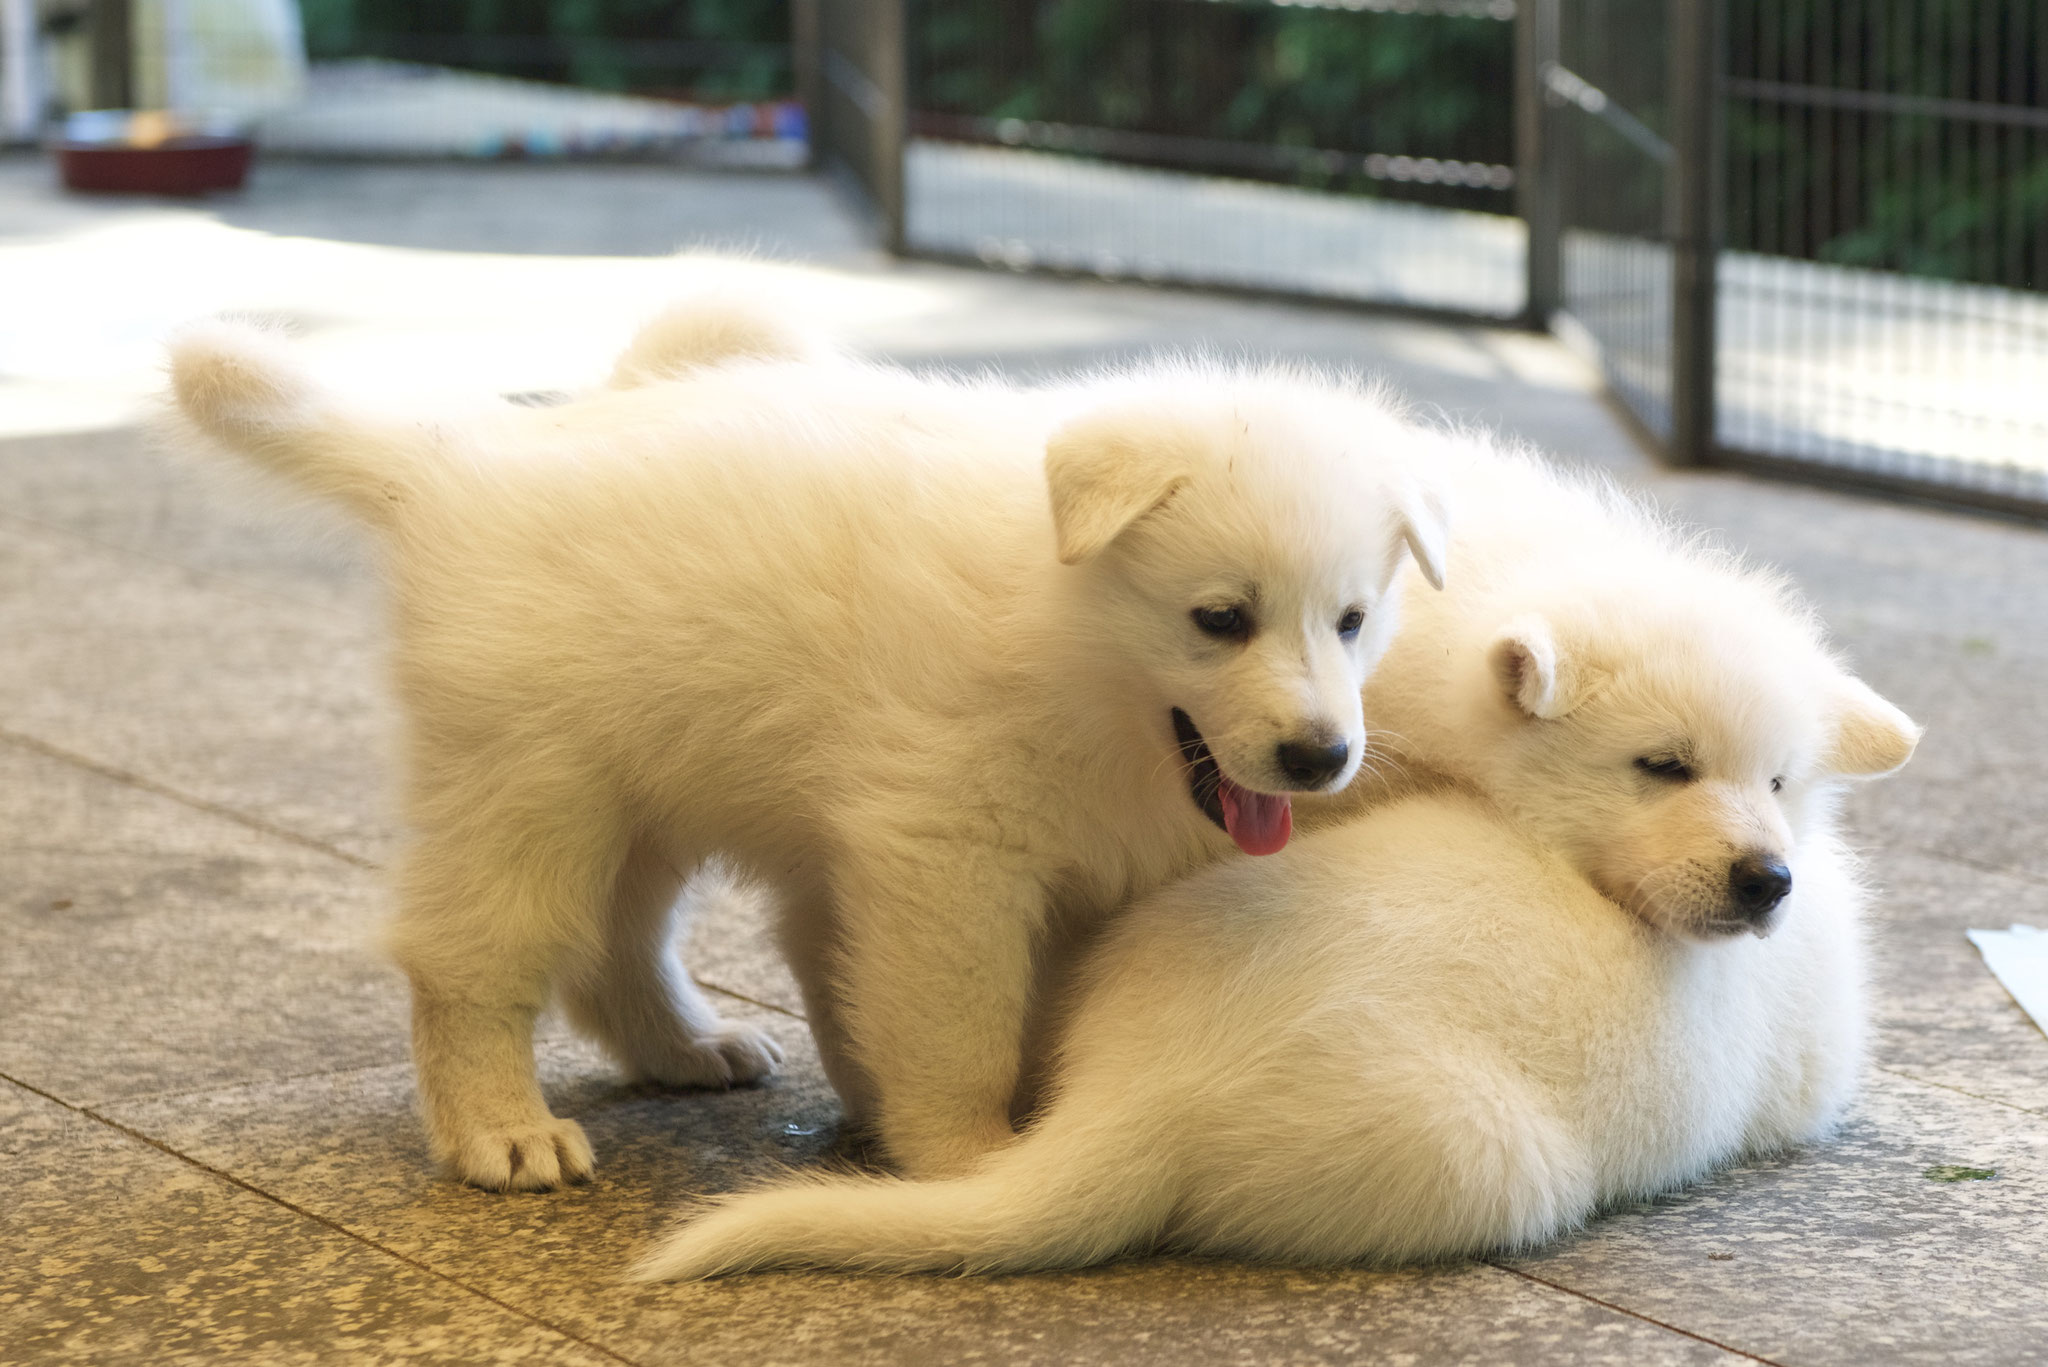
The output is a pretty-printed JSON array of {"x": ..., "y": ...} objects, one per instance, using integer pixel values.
[
  {"x": 1437, "y": 1028},
  {"x": 1581, "y": 633},
  {"x": 904, "y": 650}
]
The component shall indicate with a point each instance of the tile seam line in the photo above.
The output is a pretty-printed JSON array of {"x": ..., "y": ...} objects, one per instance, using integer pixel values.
[
  {"x": 322, "y": 1221},
  {"x": 259, "y": 824},
  {"x": 1951, "y": 1087},
  {"x": 197, "y": 803},
  {"x": 1632, "y": 1314},
  {"x": 185, "y": 1093},
  {"x": 750, "y": 1001}
]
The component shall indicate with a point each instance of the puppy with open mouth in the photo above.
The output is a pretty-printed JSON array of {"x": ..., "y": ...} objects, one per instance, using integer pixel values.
[
  {"x": 1259, "y": 822},
  {"x": 927, "y": 657}
]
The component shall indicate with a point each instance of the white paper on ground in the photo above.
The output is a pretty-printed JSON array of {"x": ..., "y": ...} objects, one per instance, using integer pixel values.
[{"x": 2018, "y": 958}]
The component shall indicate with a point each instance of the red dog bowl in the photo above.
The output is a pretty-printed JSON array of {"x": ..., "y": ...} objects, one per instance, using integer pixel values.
[{"x": 189, "y": 165}]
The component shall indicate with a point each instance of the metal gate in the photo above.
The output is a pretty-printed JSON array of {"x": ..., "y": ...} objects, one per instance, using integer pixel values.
[
  {"x": 850, "y": 69},
  {"x": 1809, "y": 240},
  {"x": 1883, "y": 319},
  {"x": 1623, "y": 150},
  {"x": 1805, "y": 237},
  {"x": 1198, "y": 141}
]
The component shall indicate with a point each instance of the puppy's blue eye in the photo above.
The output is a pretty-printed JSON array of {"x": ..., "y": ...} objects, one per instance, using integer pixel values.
[
  {"x": 1665, "y": 767},
  {"x": 1234, "y": 623},
  {"x": 1350, "y": 622}
]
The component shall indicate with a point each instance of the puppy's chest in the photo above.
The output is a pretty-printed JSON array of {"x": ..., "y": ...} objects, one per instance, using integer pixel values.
[{"x": 1096, "y": 825}]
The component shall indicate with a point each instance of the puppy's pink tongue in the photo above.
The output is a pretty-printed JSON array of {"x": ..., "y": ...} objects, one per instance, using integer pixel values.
[{"x": 1259, "y": 822}]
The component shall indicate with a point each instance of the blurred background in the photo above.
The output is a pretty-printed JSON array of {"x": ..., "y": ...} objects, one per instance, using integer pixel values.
[{"x": 1807, "y": 237}]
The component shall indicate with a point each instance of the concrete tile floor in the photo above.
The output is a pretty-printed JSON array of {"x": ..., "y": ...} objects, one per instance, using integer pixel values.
[{"x": 207, "y": 1151}]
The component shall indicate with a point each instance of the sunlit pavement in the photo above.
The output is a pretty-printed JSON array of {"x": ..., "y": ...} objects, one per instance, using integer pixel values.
[{"x": 206, "y": 1127}]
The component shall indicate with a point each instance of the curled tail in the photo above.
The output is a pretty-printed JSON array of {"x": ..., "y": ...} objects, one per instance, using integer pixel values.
[
  {"x": 239, "y": 387},
  {"x": 707, "y": 330},
  {"x": 1063, "y": 1195}
]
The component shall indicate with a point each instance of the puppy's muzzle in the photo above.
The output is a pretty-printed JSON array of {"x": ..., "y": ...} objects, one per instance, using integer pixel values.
[{"x": 1757, "y": 883}]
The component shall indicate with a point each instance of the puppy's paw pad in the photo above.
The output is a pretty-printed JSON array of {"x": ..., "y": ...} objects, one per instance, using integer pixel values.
[{"x": 535, "y": 1157}]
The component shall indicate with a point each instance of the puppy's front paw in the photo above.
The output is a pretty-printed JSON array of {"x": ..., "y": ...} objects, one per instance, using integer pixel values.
[
  {"x": 731, "y": 1056},
  {"x": 749, "y": 1054},
  {"x": 532, "y": 1157}
]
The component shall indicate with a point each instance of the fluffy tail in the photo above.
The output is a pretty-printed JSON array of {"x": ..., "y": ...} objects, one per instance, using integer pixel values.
[
  {"x": 1063, "y": 1195},
  {"x": 708, "y": 330},
  {"x": 239, "y": 387}
]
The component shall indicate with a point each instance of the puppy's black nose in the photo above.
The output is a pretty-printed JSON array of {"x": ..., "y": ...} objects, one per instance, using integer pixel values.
[
  {"x": 1757, "y": 883},
  {"x": 1312, "y": 763}
]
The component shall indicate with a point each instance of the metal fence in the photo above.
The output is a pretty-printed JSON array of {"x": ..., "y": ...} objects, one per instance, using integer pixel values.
[
  {"x": 1223, "y": 143},
  {"x": 1882, "y": 315},
  {"x": 1813, "y": 241},
  {"x": 1808, "y": 237},
  {"x": 851, "y": 72}
]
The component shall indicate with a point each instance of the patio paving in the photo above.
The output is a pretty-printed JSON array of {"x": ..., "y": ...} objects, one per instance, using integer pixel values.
[{"x": 206, "y": 1134}]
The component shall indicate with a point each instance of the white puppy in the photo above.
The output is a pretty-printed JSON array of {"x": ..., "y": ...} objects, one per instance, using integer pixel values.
[
  {"x": 1664, "y": 717},
  {"x": 1437, "y": 1029},
  {"x": 925, "y": 657}
]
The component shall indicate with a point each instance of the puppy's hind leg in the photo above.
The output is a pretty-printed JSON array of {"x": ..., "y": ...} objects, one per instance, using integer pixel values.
[
  {"x": 637, "y": 998},
  {"x": 490, "y": 911}
]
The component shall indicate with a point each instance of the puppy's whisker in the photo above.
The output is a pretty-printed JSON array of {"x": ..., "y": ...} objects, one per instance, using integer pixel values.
[{"x": 1651, "y": 887}]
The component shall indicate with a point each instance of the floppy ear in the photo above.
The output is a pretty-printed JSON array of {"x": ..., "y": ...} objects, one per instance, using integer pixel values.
[
  {"x": 1872, "y": 737},
  {"x": 1105, "y": 471},
  {"x": 1530, "y": 670},
  {"x": 1421, "y": 522}
]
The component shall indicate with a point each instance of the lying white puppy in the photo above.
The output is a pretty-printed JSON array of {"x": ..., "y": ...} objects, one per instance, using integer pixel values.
[
  {"x": 1644, "y": 705},
  {"x": 924, "y": 657},
  {"x": 1438, "y": 1029}
]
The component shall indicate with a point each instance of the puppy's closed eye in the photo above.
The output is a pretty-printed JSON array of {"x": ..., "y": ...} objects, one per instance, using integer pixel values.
[{"x": 1667, "y": 767}]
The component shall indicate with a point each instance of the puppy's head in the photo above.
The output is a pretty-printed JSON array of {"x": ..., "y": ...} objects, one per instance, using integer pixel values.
[
  {"x": 1240, "y": 540},
  {"x": 1677, "y": 738}
]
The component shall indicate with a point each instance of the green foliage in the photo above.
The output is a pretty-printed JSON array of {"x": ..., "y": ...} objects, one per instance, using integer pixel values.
[
  {"x": 1891, "y": 190},
  {"x": 330, "y": 25},
  {"x": 711, "y": 49},
  {"x": 1257, "y": 73},
  {"x": 1905, "y": 189},
  {"x": 1421, "y": 85}
]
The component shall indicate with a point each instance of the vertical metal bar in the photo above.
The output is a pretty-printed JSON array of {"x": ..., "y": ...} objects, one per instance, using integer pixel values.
[
  {"x": 807, "y": 65},
  {"x": 888, "y": 63},
  {"x": 111, "y": 38},
  {"x": 1697, "y": 55},
  {"x": 1536, "y": 162}
]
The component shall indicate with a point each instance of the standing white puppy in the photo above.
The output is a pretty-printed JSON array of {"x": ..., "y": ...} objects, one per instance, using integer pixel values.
[{"x": 932, "y": 660}]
